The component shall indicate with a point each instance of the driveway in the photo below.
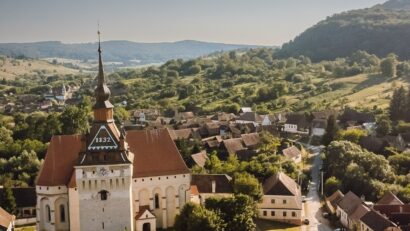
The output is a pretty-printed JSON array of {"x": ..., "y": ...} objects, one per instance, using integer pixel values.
[{"x": 312, "y": 205}]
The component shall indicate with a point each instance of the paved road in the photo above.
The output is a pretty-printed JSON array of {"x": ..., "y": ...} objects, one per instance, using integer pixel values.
[{"x": 312, "y": 205}]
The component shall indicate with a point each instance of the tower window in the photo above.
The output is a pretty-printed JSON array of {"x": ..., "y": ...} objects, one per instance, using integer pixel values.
[
  {"x": 103, "y": 195},
  {"x": 48, "y": 211},
  {"x": 156, "y": 198},
  {"x": 62, "y": 213}
]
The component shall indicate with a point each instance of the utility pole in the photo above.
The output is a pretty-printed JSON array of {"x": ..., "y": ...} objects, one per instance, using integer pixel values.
[{"x": 321, "y": 182}]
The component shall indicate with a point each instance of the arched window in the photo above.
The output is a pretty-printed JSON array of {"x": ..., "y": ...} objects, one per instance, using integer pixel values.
[
  {"x": 156, "y": 200},
  {"x": 62, "y": 213},
  {"x": 103, "y": 195},
  {"x": 48, "y": 213}
]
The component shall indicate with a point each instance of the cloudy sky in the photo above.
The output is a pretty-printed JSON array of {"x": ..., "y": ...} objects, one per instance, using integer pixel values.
[{"x": 267, "y": 22}]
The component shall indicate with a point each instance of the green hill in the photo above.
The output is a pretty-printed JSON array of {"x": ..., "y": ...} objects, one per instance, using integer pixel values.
[
  {"x": 118, "y": 51},
  {"x": 379, "y": 30},
  {"x": 257, "y": 79}
]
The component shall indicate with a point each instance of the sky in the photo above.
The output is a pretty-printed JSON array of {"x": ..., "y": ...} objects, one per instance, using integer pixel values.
[{"x": 261, "y": 22}]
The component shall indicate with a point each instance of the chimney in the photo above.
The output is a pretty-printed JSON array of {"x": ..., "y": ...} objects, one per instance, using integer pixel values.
[{"x": 213, "y": 186}]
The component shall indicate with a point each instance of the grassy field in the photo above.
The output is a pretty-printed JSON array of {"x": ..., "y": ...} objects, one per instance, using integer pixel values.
[
  {"x": 366, "y": 90},
  {"x": 12, "y": 68}
]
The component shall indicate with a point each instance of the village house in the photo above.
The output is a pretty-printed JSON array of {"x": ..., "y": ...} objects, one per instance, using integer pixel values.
[
  {"x": 223, "y": 117},
  {"x": 378, "y": 144},
  {"x": 145, "y": 115},
  {"x": 210, "y": 185},
  {"x": 245, "y": 109},
  {"x": 111, "y": 179},
  {"x": 319, "y": 127},
  {"x": 351, "y": 117},
  {"x": 333, "y": 200},
  {"x": 200, "y": 158},
  {"x": 25, "y": 205},
  {"x": 282, "y": 200},
  {"x": 6, "y": 220},
  {"x": 296, "y": 123},
  {"x": 347, "y": 207},
  {"x": 293, "y": 153},
  {"x": 374, "y": 221},
  {"x": 250, "y": 117},
  {"x": 183, "y": 116}
]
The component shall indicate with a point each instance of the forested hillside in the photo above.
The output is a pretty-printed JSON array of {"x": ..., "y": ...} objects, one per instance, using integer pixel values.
[
  {"x": 379, "y": 30},
  {"x": 118, "y": 51},
  {"x": 260, "y": 80}
]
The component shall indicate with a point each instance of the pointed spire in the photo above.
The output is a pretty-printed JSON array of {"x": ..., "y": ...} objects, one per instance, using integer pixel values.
[{"x": 102, "y": 93}]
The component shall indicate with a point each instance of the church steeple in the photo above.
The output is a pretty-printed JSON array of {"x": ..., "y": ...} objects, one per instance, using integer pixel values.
[{"x": 102, "y": 107}]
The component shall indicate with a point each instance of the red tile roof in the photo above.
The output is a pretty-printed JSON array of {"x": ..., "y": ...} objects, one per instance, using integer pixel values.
[
  {"x": 154, "y": 151},
  {"x": 62, "y": 154}
]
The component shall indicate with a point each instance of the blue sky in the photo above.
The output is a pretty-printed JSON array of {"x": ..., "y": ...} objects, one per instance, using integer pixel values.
[{"x": 267, "y": 22}]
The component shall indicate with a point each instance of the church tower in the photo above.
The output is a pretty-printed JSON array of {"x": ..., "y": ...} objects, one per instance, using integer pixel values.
[{"x": 104, "y": 168}]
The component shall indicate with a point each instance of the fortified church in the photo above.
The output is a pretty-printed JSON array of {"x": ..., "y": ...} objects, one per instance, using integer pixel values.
[{"x": 109, "y": 179}]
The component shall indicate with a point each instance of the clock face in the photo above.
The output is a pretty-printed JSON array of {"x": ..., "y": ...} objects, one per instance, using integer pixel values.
[
  {"x": 103, "y": 172},
  {"x": 103, "y": 140}
]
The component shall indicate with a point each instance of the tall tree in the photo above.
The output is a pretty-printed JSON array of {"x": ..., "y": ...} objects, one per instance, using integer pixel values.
[
  {"x": 332, "y": 130},
  {"x": 383, "y": 126},
  {"x": 7, "y": 200},
  {"x": 74, "y": 120},
  {"x": 389, "y": 66},
  {"x": 195, "y": 217},
  {"x": 245, "y": 183},
  {"x": 398, "y": 105},
  {"x": 238, "y": 212}
]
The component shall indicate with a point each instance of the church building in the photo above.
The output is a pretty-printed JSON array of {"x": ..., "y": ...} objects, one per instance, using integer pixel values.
[{"x": 110, "y": 179}]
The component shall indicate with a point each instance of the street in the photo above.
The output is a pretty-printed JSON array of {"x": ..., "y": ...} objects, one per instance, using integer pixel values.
[{"x": 312, "y": 205}]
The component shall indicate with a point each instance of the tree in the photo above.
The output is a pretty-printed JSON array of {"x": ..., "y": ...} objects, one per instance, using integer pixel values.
[
  {"x": 196, "y": 217},
  {"x": 5, "y": 136},
  {"x": 53, "y": 126},
  {"x": 352, "y": 135},
  {"x": 268, "y": 143},
  {"x": 7, "y": 200},
  {"x": 247, "y": 184},
  {"x": 400, "y": 163},
  {"x": 332, "y": 130},
  {"x": 237, "y": 212},
  {"x": 74, "y": 120},
  {"x": 398, "y": 105},
  {"x": 358, "y": 170},
  {"x": 389, "y": 66},
  {"x": 120, "y": 115},
  {"x": 332, "y": 184},
  {"x": 384, "y": 126}
]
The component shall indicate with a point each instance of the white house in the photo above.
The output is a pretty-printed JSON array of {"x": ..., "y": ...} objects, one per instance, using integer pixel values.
[
  {"x": 347, "y": 207},
  {"x": 296, "y": 123},
  {"x": 319, "y": 127},
  {"x": 282, "y": 200}
]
